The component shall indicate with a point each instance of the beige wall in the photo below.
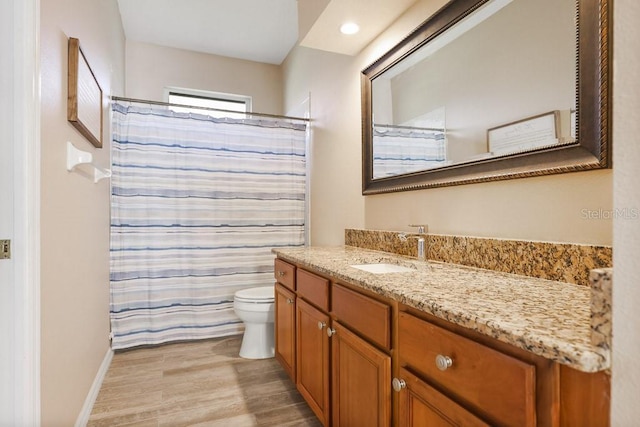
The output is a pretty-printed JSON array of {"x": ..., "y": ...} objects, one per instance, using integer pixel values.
[
  {"x": 626, "y": 234},
  {"x": 553, "y": 208},
  {"x": 74, "y": 210},
  {"x": 336, "y": 201},
  {"x": 549, "y": 208},
  {"x": 151, "y": 68}
]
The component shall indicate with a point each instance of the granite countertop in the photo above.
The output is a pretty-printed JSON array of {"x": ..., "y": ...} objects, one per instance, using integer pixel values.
[{"x": 548, "y": 318}]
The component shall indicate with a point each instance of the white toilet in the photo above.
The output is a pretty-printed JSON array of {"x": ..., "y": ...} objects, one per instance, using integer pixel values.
[{"x": 255, "y": 307}]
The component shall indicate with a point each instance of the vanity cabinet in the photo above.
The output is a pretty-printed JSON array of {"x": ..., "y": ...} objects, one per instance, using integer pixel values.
[{"x": 348, "y": 349}]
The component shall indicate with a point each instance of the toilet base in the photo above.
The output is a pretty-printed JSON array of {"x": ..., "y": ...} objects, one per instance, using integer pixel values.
[{"x": 258, "y": 341}]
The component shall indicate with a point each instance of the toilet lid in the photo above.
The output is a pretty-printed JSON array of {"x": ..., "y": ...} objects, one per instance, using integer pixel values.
[{"x": 262, "y": 293}]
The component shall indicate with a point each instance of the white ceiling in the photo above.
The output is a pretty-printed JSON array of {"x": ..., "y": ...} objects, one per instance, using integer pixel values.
[
  {"x": 373, "y": 17},
  {"x": 256, "y": 30}
]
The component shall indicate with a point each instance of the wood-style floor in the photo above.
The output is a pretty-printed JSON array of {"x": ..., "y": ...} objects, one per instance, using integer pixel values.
[{"x": 200, "y": 383}]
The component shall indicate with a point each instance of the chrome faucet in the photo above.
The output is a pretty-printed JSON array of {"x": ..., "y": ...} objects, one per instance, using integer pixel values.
[
  {"x": 421, "y": 252},
  {"x": 422, "y": 241}
]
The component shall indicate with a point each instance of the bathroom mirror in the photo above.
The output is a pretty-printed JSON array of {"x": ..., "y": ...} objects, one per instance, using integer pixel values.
[{"x": 487, "y": 90}]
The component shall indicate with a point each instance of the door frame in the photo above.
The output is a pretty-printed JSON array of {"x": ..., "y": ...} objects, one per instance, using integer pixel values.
[{"x": 25, "y": 290}]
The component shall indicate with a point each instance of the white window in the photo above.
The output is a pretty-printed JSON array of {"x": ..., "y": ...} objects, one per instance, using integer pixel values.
[{"x": 200, "y": 98}]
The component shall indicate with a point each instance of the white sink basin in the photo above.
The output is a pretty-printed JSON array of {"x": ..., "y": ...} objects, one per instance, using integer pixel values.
[{"x": 383, "y": 268}]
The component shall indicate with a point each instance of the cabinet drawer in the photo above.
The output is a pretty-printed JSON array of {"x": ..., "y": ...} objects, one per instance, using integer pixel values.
[
  {"x": 314, "y": 289},
  {"x": 492, "y": 384},
  {"x": 365, "y": 315},
  {"x": 285, "y": 273}
]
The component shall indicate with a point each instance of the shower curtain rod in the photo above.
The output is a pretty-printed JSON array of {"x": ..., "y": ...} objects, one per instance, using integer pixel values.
[{"x": 168, "y": 104}]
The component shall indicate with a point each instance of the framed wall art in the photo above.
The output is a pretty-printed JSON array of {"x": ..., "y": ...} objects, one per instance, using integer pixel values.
[
  {"x": 526, "y": 134},
  {"x": 84, "y": 102}
]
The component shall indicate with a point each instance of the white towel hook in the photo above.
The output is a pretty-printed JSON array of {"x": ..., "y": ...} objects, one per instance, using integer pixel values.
[{"x": 82, "y": 161}]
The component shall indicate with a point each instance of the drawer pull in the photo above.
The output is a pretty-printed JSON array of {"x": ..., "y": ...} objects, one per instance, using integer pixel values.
[
  {"x": 331, "y": 332},
  {"x": 443, "y": 362},
  {"x": 289, "y": 301},
  {"x": 321, "y": 325},
  {"x": 398, "y": 384},
  {"x": 281, "y": 273}
]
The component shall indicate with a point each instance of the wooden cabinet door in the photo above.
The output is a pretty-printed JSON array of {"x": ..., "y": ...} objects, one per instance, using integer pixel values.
[
  {"x": 420, "y": 405},
  {"x": 361, "y": 382},
  {"x": 285, "y": 333},
  {"x": 312, "y": 358}
]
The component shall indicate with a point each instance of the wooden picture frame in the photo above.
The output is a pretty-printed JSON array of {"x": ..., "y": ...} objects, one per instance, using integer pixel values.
[
  {"x": 84, "y": 101},
  {"x": 524, "y": 135}
]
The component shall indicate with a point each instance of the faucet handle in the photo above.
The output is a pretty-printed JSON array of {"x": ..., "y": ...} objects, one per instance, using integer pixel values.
[{"x": 422, "y": 228}]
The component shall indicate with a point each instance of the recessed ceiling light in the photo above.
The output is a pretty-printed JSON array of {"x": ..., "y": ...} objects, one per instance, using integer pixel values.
[{"x": 349, "y": 28}]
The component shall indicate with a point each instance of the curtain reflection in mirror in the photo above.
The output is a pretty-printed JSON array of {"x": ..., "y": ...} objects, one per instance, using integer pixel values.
[{"x": 399, "y": 150}]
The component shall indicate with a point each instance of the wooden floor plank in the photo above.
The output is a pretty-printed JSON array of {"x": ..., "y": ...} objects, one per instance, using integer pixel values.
[{"x": 201, "y": 383}]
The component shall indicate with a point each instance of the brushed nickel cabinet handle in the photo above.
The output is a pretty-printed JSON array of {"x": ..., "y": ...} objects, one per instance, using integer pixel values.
[
  {"x": 321, "y": 325},
  {"x": 281, "y": 273},
  {"x": 443, "y": 362},
  {"x": 331, "y": 332},
  {"x": 289, "y": 301}
]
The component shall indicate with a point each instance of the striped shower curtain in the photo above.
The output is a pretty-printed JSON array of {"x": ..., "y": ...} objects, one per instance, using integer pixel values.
[{"x": 197, "y": 204}]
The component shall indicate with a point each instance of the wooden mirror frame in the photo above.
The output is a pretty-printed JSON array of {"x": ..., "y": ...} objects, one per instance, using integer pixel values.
[{"x": 590, "y": 151}]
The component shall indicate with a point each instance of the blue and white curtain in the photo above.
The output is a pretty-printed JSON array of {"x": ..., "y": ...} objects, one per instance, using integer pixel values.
[
  {"x": 398, "y": 151},
  {"x": 197, "y": 204}
]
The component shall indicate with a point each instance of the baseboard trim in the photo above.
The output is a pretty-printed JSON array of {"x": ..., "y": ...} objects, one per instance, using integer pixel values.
[{"x": 85, "y": 413}]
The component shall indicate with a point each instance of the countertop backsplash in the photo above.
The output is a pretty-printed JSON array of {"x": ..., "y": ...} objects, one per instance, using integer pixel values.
[
  {"x": 601, "y": 299},
  {"x": 564, "y": 262}
]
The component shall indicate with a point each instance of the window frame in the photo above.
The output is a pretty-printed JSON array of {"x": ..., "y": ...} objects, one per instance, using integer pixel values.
[{"x": 205, "y": 94}]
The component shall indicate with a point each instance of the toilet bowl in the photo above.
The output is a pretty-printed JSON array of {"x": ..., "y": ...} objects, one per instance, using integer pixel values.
[{"x": 255, "y": 307}]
